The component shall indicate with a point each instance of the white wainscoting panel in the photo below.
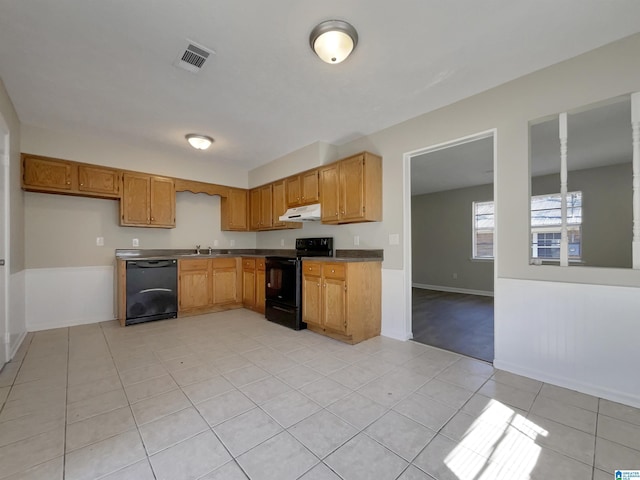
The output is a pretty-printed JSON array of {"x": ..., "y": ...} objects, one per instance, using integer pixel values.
[
  {"x": 17, "y": 327},
  {"x": 63, "y": 297},
  {"x": 579, "y": 336},
  {"x": 393, "y": 306}
]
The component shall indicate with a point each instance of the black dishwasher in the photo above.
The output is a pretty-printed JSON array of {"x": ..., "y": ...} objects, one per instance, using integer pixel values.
[{"x": 152, "y": 290}]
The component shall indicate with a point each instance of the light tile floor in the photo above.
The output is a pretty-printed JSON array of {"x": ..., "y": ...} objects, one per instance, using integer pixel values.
[{"x": 232, "y": 396}]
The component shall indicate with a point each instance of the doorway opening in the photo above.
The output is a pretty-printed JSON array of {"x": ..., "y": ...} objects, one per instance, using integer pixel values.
[{"x": 453, "y": 246}]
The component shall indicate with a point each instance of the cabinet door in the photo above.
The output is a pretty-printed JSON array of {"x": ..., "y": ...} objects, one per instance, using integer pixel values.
[
  {"x": 248, "y": 282},
  {"x": 279, "y": 203},
  {"x": 352, "y": 188},
  {"x": 163, "y": 202},
  {"x": 293, "y": 191},
  {"x": 335, "y": 304},
  {"x": 102, "y": 181},
  {"x": 266, "y": 207},
  {"x": 312, "y": 300},
  {"x": 194, "y": 289},
  {"x": 224, "y": 285},
  {"x": 254, "y": 217},
  {"x": 260, "y": 288},
  {"x": 330, "y": 194},
  {"x": 134, "y": 204},
  {"x": 310, "y": 187},
  {"x": 234, "y": 210},
  {"x": 47, "y": 174}
]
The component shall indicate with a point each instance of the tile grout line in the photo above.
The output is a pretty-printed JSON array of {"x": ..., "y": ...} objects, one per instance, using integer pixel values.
[{"x": 130, "y": 409}]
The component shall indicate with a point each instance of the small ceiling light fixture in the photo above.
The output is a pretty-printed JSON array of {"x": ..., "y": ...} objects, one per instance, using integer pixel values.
[
  {"x": 333, "y": 40},
  {"x": 199, "y": 142}
]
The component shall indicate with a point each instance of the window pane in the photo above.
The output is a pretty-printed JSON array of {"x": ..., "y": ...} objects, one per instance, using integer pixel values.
[
  {"x": 483, "y": 226},
  {"x": 484, "y": 244}
]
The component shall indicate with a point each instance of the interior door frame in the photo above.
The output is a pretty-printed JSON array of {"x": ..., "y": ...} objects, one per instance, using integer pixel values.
[
  {"x": 407, "y": 256},
  {"x": 5, "y": 151}
]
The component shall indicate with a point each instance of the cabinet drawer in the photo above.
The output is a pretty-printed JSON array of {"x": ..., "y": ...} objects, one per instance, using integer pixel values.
[
  {"x": 334, "y": 270},
  {"x": 224, "y": 263},
  {"x": 249, "y": 263},
  {"x": 311, "y": 269},
  {"x": 191, "y": 265},
  {"x": 260, "y": 263}
]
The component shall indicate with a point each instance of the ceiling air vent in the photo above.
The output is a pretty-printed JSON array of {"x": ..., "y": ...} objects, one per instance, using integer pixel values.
[{"x": 193, "y": 57}]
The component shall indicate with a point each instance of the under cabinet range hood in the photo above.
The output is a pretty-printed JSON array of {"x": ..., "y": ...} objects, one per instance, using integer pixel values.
[{"x": 307, "y": 213}]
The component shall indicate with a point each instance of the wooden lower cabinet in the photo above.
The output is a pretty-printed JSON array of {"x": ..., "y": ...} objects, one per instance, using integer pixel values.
[
  {"x": 253, "y": 284},
  {"x": 208, "y": 285},
  {"x": 342, "y": 299}
]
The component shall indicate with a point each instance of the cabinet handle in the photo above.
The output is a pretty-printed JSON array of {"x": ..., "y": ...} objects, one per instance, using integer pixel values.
[
  {"x": 68, "y": 182},
  {"x": 82, "y": 184},
  {"x": 318, "y": 284},
  {"x": 153, "y": 219},
  {"x": 325, "y": 285}
]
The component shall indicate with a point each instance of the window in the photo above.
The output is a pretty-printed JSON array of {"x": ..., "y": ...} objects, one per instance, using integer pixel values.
[
  {"x": 483, "y": 228},
  {"x": 546, "y": 223}
]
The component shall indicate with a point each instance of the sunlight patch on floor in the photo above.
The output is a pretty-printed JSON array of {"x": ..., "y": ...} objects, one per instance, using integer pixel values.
[{"x": 500, "y": 444}]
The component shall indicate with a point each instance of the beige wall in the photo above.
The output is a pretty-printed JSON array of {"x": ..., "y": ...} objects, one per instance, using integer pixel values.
[
  {"x": 603, "y": 73},
  {"x": 442, "y": 237},
  {"x": 61, "y": 231}
]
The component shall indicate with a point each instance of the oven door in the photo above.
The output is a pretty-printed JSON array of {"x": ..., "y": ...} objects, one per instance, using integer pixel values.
[{"x": 283, "y": 280}]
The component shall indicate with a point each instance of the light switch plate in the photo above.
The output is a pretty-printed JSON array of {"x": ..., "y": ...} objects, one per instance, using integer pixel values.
[
  {"x": 135, "y": 242},
  {"x": 100, "y": 241},
  {"x": 232, "y": 243},
  {"x": 394, "y": 239},
  {"x": 215, "y": 243}
]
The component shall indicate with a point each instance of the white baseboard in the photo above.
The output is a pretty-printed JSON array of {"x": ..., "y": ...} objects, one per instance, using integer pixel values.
[{"x": 440, "y": 288}]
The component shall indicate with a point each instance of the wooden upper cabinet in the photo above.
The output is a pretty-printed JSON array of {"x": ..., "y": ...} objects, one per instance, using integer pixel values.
[
  {"x": 303, "y": 189},
  {"x": 54, "y": 175},
  {"x": 330, "y": 194},
  {"x": 266, "y": 207},
  {"x": 254, "y": 209},
  {"x": 233, "y": 210},
  {"x": 147, "y": 201},
  {"x": 279, "y": 203},
  {"x": 163, "y": 202},
  {"x": 99, "y": 180},
  {"x": 351, "y": 190},
  {"x": 47, "y": 174}
]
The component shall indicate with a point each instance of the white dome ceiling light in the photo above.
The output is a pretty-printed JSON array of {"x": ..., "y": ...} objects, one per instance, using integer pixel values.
[
  {"x": 199, "y": 142},
  {"x": 333, "y": 40}
]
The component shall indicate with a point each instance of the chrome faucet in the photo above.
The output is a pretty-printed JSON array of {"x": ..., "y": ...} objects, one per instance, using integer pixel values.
[
  {"x": 197, "y": 249},
  {"x": 210, "y": 250}
]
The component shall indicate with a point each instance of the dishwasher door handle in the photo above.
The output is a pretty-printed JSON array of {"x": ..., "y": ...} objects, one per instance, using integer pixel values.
[{"x": 151, "y": 263}]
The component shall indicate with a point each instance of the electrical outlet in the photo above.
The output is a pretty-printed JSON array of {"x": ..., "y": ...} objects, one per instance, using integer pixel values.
[
  {"x": 356, "y": 240},
  {"x": 100, "y": 241},
  {"x": 282, "y": 242},
  {"x": 135, "y": 242},
  {"x": 216, "y": 243},
  {"x": 232, "y": 243},
  {"x": 394, "y": 239}
]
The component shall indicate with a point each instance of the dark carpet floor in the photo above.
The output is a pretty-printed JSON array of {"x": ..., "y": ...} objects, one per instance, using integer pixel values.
[{"x": 456, "y": 322}]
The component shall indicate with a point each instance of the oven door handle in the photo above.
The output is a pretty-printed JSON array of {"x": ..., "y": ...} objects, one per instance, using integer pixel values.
[{"x": 275, "y": 307}]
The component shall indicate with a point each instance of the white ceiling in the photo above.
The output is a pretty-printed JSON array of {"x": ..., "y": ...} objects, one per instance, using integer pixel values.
[{"x": 105, "y": 66}]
